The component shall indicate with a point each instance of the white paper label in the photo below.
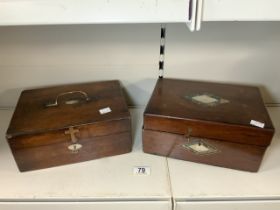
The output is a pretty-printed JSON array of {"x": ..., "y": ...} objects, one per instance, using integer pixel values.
[
  {"x": 105, "y": 110},
  {"x": 257, "y": 123},
  {"x": 142, "y": 170}
]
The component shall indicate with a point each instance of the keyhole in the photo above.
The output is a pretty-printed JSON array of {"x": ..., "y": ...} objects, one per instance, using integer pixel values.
[{"x": 75, "y": 147}]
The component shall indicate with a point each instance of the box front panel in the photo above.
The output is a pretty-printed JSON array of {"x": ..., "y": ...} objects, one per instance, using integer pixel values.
[
  {"x": 213, "y": 152},
  {"x": 69, "y": 147}
]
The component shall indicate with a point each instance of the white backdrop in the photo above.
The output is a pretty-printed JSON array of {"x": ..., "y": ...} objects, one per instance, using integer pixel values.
[{"x": 34, "y": 56}]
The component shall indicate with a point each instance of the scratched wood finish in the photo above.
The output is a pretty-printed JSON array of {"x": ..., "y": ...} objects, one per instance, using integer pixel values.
[
  {"x": 231, "y": 155},
  {"x": 171, "y": 114},
  {"x": 39, "y": 136},
  {"x": 55, "y": 154}
]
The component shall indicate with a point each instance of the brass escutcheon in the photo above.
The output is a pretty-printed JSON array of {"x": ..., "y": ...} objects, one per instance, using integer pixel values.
[
  {"x": 198, "y": 146},
  {"x": 74, "y": 147}
]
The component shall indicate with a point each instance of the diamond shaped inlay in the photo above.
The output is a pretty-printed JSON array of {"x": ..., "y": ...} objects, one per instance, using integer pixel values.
[
  {"x": 204, "y": 99},
  {"x": 199, "y": 147},
  {"x": 207, "y": 99}
]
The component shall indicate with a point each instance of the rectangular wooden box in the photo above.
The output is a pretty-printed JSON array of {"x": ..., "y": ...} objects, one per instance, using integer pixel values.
[
  {"x": 218, "y": 124},
  {"x": 68, "y": 124}
]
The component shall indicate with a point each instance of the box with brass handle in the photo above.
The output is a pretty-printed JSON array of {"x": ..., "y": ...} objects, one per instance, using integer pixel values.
[{"x": 61, "y": 125}]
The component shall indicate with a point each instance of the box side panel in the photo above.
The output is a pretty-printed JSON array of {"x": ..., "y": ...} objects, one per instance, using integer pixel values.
[
  {"x": 206, "y": 129},
  {"x": 61, "y": 152},
  {"x": 224, "y": 154}
]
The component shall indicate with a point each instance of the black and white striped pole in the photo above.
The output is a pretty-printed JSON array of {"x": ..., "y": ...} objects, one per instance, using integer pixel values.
[{"x": 162, "y": 50}]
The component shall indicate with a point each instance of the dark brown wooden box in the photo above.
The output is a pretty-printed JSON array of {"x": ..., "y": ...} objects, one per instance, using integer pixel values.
[
  {"x": 207, "y": 123},
  {"x": 68, "y": 124}
]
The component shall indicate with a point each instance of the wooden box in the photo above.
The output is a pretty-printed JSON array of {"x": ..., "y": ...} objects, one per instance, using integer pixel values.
[
  {"x": 218, "y": 124},
  {"x": 68, "y": 124}
]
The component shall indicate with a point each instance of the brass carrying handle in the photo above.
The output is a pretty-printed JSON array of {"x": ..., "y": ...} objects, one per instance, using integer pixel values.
[{"x": 55, "y": 103}]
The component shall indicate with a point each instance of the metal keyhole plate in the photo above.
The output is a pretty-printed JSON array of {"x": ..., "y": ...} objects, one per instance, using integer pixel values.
[
  {"x": 199, "y": 147},
  {"x": 75, "y": 147}
]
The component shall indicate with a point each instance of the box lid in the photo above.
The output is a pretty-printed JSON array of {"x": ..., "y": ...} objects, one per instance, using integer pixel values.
[
  {"x": 209, "y": 110},
  {"x": 54, "y": 108}
]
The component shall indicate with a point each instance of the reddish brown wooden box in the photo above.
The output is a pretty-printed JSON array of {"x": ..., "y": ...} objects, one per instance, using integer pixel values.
[
  {"x": 207, "y": 123},
  {"x": 61, "y": 125}
]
